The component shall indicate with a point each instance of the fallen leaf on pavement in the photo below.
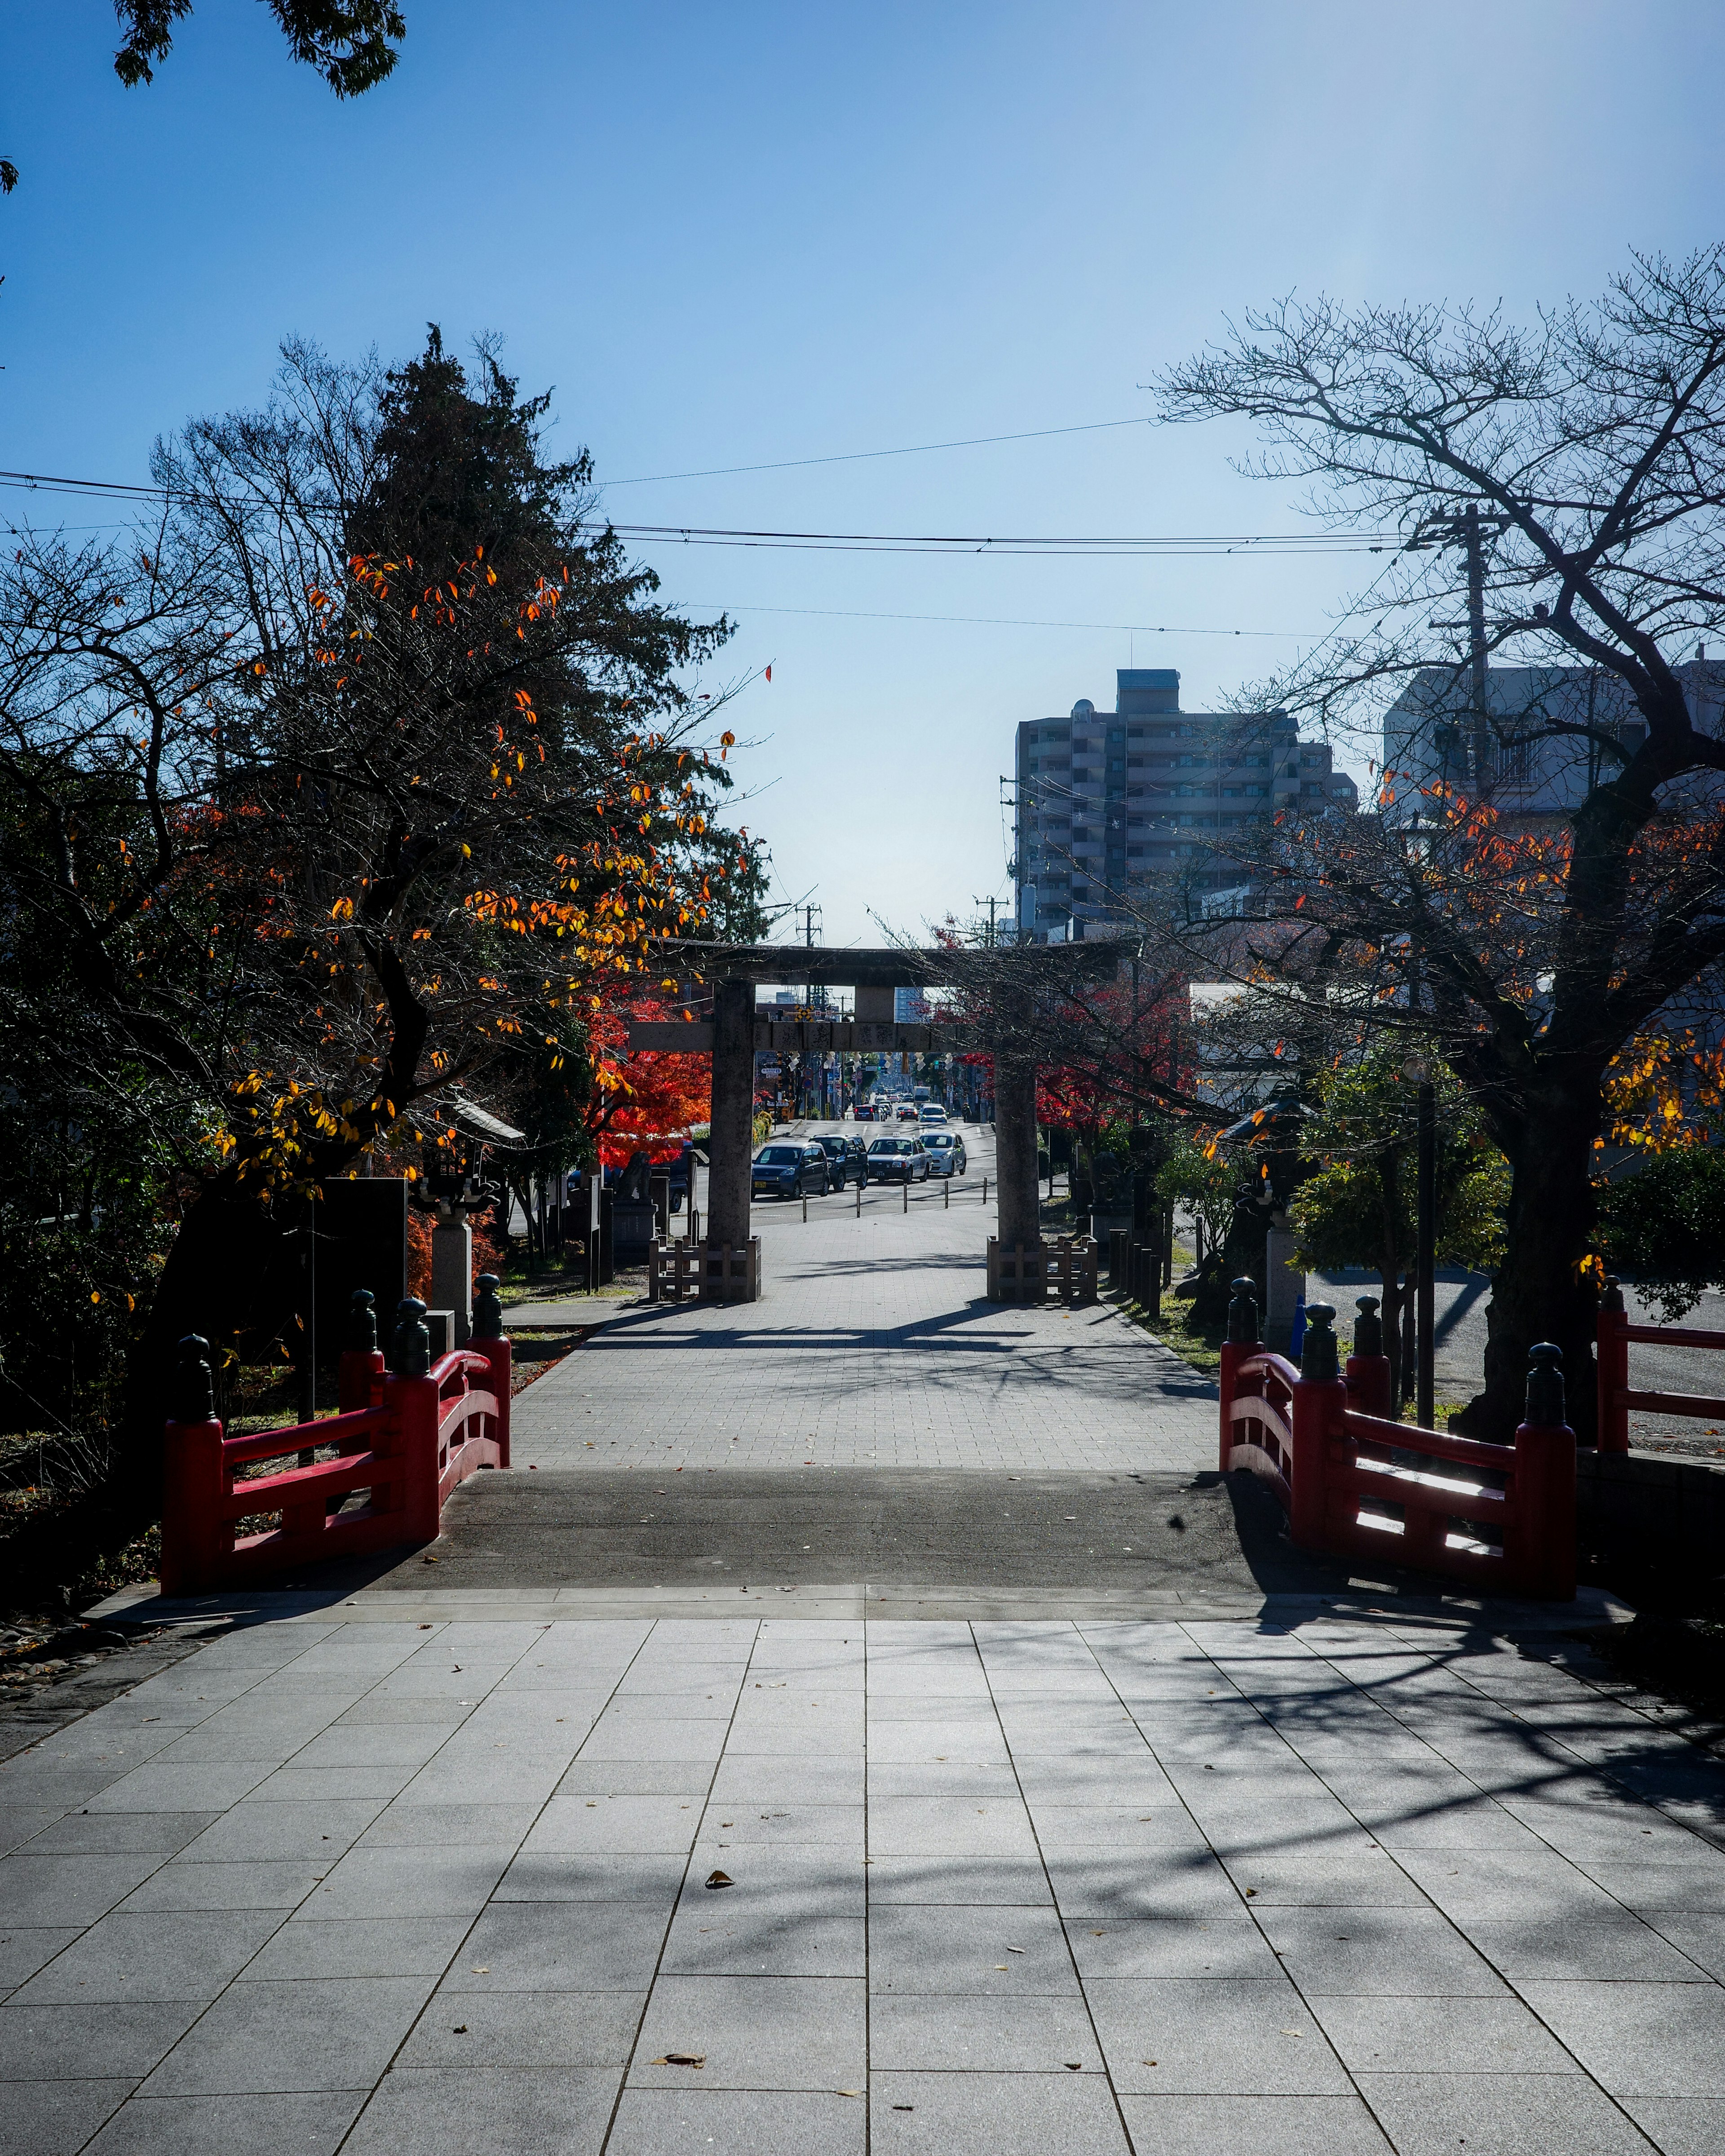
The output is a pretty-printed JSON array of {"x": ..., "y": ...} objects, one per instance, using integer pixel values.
[
  {"x": 682, "y": 2059},
  {"x": 720, "y": 1879}
]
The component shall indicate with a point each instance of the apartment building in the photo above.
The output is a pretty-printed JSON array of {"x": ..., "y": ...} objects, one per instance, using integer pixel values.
[
  {"x": 1432, "y": 734},
  {"x": 1107, "y": 799}
]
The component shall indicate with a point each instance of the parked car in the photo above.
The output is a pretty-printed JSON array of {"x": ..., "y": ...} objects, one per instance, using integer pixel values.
[
  {"x": 907, "y": 1112},
  {"x": 794, "y": 1170},
  {"x": 846, "y": 1161},
  {"x": 897, "y": 1160},
  {"x": 946, "y": 1152}
]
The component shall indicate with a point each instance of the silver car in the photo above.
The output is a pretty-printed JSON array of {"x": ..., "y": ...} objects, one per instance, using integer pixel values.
[
  {"x": 898, "y": 1160},
  {"x": 946, "y": 1152}
]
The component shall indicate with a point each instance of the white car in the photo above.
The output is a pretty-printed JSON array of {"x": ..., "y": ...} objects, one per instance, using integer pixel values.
[
  {"x": 933, "y": 1112},
  {"x": 945, "y": 1152}
]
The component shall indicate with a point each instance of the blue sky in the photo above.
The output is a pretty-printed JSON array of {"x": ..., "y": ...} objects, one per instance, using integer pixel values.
[{"x": 736, "y": 235}]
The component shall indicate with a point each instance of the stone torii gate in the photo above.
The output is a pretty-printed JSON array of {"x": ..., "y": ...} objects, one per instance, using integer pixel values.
[{"x": 735, "y": 1033}]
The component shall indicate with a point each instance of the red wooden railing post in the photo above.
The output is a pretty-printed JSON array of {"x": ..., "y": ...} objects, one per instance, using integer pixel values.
[
  {"x": 1614, "y": 1370},
  {"x": 489, "y": 1340},
  {"x": 360, "y": 1376},
  {"x": 1242, "y": 1343},
  {"x": 1539, "y": 1533},
  {"x": 1368, "y": 1374},
  {"x": 1320, "y": 1400},
  {"x": 410, "y": 1394},
  {"x": 193, "y": 1531}
]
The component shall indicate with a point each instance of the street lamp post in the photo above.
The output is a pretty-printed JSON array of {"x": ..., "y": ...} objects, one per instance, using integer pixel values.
[{"x": 1418, "y": 1068}]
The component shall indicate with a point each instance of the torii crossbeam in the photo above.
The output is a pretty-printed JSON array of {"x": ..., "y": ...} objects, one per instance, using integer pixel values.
[{"x": 727, "y": 974}]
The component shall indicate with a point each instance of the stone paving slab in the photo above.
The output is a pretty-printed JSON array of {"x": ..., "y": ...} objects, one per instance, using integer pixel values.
[
  {"x": 1322, "y": 1879},
  {"x": 873, "y": 1346}
]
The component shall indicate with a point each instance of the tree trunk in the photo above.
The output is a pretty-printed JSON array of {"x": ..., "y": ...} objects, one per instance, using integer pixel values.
[
  {"x": 1537, "y": 1293},
  {"x": 232, "y": 1276}
]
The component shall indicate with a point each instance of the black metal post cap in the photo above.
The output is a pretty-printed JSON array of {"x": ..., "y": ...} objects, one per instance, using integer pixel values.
[
  {"x": 1545, "y": 1404},
  {"x": 410, "y": 1350},
  {"x": 194, "y": 1387},
  {"x": 487, "y": 1310},
  {"x": 1243, "y": 1312},
  {"x": 1317, "y": 1357}
]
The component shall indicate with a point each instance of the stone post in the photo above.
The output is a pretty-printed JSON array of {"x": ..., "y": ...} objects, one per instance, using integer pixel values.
[
  {"x": 730, "y": 1147},
  {"x": 452, "y": 1272},
  {"x": 1019, "y": 1216},
  {"x": 1284, "y": 1285}
]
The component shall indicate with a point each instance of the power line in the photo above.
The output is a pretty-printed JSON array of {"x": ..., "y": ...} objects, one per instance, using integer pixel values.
[
  {"x": 992, "y": 620},
  {"x": 862, "y": 456},
  {"x": 1202, "y": 544},
  {"x": 915, "y": 542}
]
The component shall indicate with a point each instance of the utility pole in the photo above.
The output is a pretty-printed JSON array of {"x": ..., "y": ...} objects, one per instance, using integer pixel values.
[
  {"x": 991, "y": 903},
  {"x": 1471, "y": 529},
  {"x": 1424, "y": 1269},
  {"x": 814, "y": 999}
]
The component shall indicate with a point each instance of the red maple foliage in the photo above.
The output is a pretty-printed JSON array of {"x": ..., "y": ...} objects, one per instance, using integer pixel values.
[{"x": 647, "y": 1100}]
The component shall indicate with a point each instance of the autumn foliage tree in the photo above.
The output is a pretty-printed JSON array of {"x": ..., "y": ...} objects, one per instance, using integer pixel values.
[{"x": 370, "y": 765}]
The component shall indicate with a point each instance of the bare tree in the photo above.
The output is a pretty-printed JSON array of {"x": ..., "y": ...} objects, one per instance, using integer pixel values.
[{"x": 1573, "y": 475}]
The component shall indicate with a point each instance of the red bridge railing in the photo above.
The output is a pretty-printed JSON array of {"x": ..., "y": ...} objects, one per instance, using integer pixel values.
[
  {"x": 404, "y": 1438},
  {"x": 1355, "y": 1483},
  {"x": 1616, "y": 1399}
]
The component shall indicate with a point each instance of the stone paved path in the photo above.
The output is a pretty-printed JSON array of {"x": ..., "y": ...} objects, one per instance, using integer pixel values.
[
  {"x": 874, "y": 1347},
  {"x": 436, "y": 1889}
]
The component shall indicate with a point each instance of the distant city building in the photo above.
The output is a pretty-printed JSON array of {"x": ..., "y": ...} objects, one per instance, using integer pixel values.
[
  {"x": 909, "y": 1006},
  {"x": 1107, "y": 799},
  {"x": 1432, "y": 734}
]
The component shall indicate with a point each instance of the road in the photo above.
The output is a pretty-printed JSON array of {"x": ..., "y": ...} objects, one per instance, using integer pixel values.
[{"x": 1462, "y": 1299}]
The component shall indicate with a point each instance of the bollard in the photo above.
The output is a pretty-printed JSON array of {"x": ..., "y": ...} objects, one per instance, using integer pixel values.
[
  {"x": 1539, "y": 1536},
  {"x": 805, "y": 1208},
  {"x": 858, "y": 1195},
  {"x": 907, "y": 1194},
  {"x": 1242, "y": 1342},
  {"x": 947, "y": 1197},
  {"x": 985, "y": 1190},
  {"x": 1368, "y": 1374},
  {"x": 1320, "y": 1401}
]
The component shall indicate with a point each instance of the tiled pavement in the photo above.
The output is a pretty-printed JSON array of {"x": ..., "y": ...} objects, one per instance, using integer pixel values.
[
  {"x": 873, "y": 1347},
  {"x": 423, "y": 1873},
  {"x": 432, "y": 1887}
]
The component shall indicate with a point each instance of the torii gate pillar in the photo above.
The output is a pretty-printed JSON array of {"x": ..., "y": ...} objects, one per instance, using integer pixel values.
[
  {"x": 731, "y": 1146},
  {"x": 1019, "y": 1218}
]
